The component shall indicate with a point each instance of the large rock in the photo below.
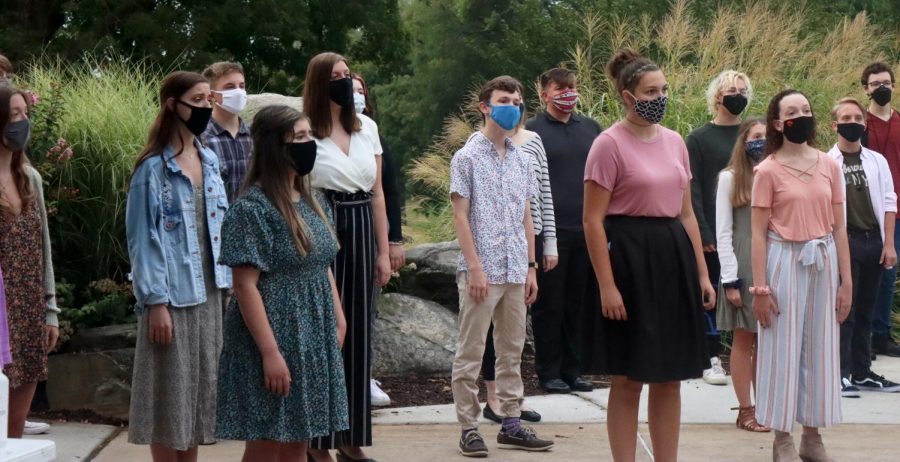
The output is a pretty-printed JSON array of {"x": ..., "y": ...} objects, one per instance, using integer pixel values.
[
  {"x": 413, "y": 335},
  {"x": 431, "y": 273},
  {"x": 97, "y": 381},
  {"x": 257, "y": 102},
  {"x": 103, "y": 338}
]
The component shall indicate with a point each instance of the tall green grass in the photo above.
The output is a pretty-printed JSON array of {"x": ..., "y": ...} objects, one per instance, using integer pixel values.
[{"x": 103, "y": 109}]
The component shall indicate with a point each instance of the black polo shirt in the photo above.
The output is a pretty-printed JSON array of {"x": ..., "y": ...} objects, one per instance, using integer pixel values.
[{"x": 567, "y": 145}]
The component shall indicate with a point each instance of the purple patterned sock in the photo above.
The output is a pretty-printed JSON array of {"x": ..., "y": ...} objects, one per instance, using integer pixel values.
[{"x": 511, "y": 425}]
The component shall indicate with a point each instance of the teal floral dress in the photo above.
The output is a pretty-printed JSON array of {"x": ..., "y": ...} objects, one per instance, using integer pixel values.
[{"x": 298, "y": 302}]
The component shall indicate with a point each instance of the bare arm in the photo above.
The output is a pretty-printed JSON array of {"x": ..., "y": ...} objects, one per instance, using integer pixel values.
[
  {"x": 379, "y": 211},
  {"x": 689, "y": 222},
  {"x": 531, "y": 287},
  {"x": 764, "y": 306},
  {"x": 845, "y": 291},
  {"x": 596, "y": 204},
  {"x": 477, "y": 278}
]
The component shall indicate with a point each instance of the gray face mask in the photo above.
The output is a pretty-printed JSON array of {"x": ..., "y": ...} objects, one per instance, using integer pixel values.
[{"x": 16, "y": 135}]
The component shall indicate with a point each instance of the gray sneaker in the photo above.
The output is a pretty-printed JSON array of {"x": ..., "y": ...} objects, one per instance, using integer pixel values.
[
  {"x": 525, "y": 439},
  {"x": 471, "y": 444}
]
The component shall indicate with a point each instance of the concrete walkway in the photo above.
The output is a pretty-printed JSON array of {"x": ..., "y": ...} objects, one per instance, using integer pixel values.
[{"x": 577, "y": 423}]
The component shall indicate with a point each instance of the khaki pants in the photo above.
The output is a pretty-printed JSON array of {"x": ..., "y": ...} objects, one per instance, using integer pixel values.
[{"x": 505, "y": 305}]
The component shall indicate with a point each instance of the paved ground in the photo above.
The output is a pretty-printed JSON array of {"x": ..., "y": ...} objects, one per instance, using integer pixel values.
[{"x": 577, "y": 423}]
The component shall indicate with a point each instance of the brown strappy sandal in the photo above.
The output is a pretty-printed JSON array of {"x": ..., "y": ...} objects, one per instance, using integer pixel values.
[{"x": 746, "y": 420}]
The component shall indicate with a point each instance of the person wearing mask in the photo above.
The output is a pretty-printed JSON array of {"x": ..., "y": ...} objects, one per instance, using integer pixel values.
[
  {"x": 568, "y": 292},
  {"x": 710, "y": 148},
  {"x": 6, "y": 70},
  {"x": 348, "y": 169},
  {"x": 173, "y": 217},
  {"x": 883, "y": 136},
  {"x": 733, "y": 248},
  {"x": 25, "y": 256},
  {"x": 496, "y": 273},
  {"x": 281, "y": 377},
  {"x": 871, "y": 208},
  {"x": 393, "y": 200},
  {"x": 645, "y": 248},
  {"x": 802, "y": 286},
  {"x": 227, "y": 134}
]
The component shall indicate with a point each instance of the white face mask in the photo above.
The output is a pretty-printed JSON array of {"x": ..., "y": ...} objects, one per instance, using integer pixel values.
[
  {"x": 359, "y": 102},
  {"x": 233, "y": 100}
]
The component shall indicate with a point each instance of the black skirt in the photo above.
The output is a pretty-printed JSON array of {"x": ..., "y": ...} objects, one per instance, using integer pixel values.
[{"x": 655, "y": 270}]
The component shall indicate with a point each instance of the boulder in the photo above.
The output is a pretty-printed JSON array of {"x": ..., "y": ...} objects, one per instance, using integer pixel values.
[
  {"x": 413, "y": 335},
  {"x": 431, "y": 273},
  {"x": 257, "y": 102},
  {"x": 97, "y": 381},
  {"x": 103, "y": 338}
]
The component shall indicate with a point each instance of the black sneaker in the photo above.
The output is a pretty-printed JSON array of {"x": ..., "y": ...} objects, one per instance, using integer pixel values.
[
  {"x": 874, "y": 382},
  {"x": 524, "y": 439},
  {"x": 885, "y": 345},
  {"x": 471, "y": 444},
  {"x": 848, "y": 390}
]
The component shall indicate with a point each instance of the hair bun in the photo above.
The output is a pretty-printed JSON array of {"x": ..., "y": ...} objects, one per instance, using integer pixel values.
[{"x": 619, "y": 60}]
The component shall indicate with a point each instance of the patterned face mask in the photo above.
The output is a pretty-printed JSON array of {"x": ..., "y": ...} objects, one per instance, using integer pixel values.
[{"x": 653, "y": 110}]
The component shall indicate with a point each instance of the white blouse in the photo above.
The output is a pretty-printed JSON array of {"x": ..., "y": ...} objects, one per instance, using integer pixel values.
[{"x": 348, "y": 173}]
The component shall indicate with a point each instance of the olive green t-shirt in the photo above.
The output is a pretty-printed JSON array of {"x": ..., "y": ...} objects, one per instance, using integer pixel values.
[{"x": 860, "y": 214}]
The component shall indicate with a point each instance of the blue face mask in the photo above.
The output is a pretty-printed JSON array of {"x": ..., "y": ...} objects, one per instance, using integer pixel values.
[
  {"x": 755, "y": 149},
  {"x": 506, "y": 117}
]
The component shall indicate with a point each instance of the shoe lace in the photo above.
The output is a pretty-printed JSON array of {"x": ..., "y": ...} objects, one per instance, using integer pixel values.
[
  {"x": 527, "y": 432},
  {"x": 471, "y": 437}
]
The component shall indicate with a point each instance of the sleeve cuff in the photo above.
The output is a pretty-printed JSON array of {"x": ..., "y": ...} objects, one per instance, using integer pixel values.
[
  {"x": 550, "y": 247},
  {"x": 52, "y": 319}
]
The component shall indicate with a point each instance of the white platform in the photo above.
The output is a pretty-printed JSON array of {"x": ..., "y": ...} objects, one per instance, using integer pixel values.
[{"x": 30, "y": 450}]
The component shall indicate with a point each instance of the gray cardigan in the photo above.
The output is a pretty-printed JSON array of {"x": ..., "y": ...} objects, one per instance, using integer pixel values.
[{"x": 37, "y": 186}]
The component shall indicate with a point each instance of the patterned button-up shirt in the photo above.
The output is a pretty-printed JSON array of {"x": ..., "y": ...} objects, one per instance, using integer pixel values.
[
  {"x": 234, "y": 154},
  {"x": 497, "y": 190}
]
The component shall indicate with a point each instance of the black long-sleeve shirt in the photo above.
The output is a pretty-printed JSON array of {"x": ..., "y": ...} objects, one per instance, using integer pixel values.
[{"x": 393, "y": 196}]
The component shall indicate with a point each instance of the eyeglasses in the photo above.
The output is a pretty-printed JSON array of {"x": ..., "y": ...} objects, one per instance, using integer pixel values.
[
  {"x": 886, "y": 83},
  {"x": 734, "y": 91}
]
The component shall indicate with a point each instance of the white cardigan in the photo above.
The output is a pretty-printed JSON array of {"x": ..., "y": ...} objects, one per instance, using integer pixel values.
[
  {"x": 881, "y": 185},
  {"x": 725, "y": 227}
]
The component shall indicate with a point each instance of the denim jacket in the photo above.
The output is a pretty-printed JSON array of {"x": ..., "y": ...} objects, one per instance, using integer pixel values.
[{"x": 160, "y": 219}]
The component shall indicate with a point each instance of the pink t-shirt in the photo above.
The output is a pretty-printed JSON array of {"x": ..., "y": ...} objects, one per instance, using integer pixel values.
[
  {"x": 646, "y": 178},
  {"x": 800, "y": 211}
]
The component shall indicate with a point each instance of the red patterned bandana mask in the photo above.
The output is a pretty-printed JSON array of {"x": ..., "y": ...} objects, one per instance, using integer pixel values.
[{"x": 566, "y": 101}]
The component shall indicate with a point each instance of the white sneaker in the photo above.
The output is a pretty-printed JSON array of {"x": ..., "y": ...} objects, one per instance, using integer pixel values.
[
  {"x": 379, "y": 397},
  {"x": 36, "y": 428},
  {"x": 715, "y": 375}
]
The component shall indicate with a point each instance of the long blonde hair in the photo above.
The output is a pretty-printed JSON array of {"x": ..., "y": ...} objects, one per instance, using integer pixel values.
[{"x": 741, "y": 166}]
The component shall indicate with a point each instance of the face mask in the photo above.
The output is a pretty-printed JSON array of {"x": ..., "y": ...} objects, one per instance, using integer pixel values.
[
  {"x": 16, "y": 135},
  {"x": 359, "y": 102},
  {"x": 506, "y": 117},
  {"x": 734, "y": 103},
  {"x": 881, "y": 95},
  {"x": 341, "y": 91},
  {"x": 566, "y": 101},
  {"x": 851, "y": 132},
  {"x": 653, "y": 110},
  {"x": 303, "y": 155},
  {"x": 799, "y": 130},
  {"x": 754, "y": 149},
  {"x": 198, "y": 120},
  {"x": 233, "y": 101}
]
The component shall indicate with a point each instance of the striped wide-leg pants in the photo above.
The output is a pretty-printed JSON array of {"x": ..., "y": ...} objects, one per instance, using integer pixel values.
[
  {"x": 354, "y": 274},
  {"x": 798, "y": 356}
]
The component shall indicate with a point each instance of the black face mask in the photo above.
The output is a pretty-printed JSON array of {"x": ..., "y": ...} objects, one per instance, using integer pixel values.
[
  {"x": 341, "y": 91},
  {"x": 198, "y": 120},
  {"x": 734, "y": 103},
  {"x": 881, "y": 95},
  {"x": 16, "y": 135},
  {"x": 851, "y": 132},
  {"x": 303, "y": 155},
  {"x": 799, "y": 130}
]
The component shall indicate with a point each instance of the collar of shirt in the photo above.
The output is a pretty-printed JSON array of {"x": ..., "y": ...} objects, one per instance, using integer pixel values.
[
  {"x": 574, "y": 118},
  {"x": 218, "y": 130},
  {"x": 483, "y": 142}
]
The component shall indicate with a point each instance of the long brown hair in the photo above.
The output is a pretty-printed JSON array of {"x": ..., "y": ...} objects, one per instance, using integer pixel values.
[
  {"x": 19, "y": 161},
  {"x": 317, "y": 97},
  {"x": 270, "y": 166},
  {"x": 164, "y": 128},
  {"x": 626, "y": 68},
  {"x": 775, "y": 138},
  {"x": 741, "y": 166}
]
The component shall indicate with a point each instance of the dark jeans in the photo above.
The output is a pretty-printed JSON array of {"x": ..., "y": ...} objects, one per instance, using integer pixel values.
[
  {"x": 713, "y": 339},
  {"x": 856, "y": 331},
  {"x": 881, "y": 318}
]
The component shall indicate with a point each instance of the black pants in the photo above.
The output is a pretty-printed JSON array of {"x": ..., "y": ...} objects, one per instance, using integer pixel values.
[
  {"x": 856, "y": 331},
  {"x": 713, "y": 339}
]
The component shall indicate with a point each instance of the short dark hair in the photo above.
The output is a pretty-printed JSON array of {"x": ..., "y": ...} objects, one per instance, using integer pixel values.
[
  {"x": 875, "y": 68},
  {"x": 502, "y": 83},
  {"x": 561, "y": 76},
  {"x": 216, "y": 71}
]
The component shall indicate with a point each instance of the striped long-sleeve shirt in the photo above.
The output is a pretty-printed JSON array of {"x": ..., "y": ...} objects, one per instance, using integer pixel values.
[{"x": 542, "y": 205}]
